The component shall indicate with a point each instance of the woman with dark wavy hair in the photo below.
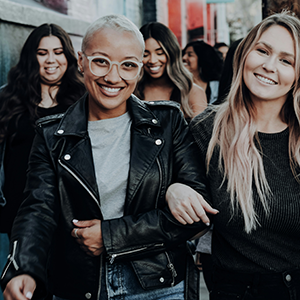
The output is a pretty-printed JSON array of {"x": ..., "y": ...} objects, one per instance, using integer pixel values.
[
  {"x": 165, "y": 77},
  {"x": 44, "y": 82},
  {"x": 204, "y": 62}
]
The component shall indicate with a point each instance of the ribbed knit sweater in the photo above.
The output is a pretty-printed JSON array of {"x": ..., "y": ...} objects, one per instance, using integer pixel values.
[{"x": 273, "y": 246}]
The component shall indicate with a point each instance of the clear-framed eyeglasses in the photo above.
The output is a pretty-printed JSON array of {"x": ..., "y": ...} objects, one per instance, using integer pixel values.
[{"x": 101, "y": 65}]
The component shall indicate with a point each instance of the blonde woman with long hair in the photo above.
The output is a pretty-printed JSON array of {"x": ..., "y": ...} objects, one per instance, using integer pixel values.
[
  {"x": 164, "y": 76},
  {"x": 251, "y": 148}
]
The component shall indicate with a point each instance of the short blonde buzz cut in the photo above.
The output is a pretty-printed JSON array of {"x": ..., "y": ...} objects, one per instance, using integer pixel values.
[{"x": 117, "y": 22}]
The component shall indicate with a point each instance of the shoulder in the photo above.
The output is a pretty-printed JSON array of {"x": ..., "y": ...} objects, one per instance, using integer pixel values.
[
  {"x": 202, "y": 125},
  {"x": 152, "y": 105},
  {"x": 197, "y": 91},
  {"x": 49, "y": 120}
]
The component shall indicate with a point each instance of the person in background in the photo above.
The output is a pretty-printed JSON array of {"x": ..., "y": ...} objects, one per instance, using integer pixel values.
[
  {"x": 204, "y": 62},
  {"x": 44, "y": 82},
  {"x": 164, "y": 76},
  {"x": 227, "y": 73},
  {"x": 251, "y": 148},
  {"x": 96, "y": 188},
  {"x": 222, "y": 48}
]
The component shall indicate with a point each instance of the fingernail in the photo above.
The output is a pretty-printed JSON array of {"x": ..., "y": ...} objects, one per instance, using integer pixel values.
[
  {"x": 28, "y": 295},
  {"x": 207, "y": 224},
  {"x": 75, "y": 221}
]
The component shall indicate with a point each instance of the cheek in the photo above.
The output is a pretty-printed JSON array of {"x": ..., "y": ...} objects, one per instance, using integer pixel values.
[{"x": 40, "y": 61}]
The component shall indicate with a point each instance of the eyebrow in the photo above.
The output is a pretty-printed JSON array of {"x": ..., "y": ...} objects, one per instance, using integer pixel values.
[{"x": 281, "y": 52}]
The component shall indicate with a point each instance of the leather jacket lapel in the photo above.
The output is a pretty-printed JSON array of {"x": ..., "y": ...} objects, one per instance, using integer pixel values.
[
  {"x": 144, "y": 147},
  {"x": 76, "y": 154}
]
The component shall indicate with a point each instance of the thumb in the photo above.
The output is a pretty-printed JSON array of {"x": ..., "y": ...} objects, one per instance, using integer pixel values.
[
  {"x": 29, "y": 287},
  {"x": 82, "y": 224}
]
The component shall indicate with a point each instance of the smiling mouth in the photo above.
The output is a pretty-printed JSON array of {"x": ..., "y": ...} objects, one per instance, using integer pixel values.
[
  {"x": 154, "y": 69},
  {"x": 51, "y": 69},
  {"x": 109, "y": 89},
  {"x": 265, "y": 80}
]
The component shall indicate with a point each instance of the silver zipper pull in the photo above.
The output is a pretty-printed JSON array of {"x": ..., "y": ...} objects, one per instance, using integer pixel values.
[{"x": 112, "y": 258}]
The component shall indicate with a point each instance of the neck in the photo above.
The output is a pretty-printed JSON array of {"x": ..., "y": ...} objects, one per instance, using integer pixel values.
[
  {"x": 48, "y": 95},
  {"x": 268, "y": 118},
  {"x": 163, "y": 81}
]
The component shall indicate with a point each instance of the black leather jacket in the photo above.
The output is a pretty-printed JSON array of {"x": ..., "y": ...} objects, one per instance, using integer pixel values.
[{"x": 61, "y": 186}]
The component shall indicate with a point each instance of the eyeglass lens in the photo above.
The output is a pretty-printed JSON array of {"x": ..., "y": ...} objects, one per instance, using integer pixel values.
[{"x": 127, "y": 69}]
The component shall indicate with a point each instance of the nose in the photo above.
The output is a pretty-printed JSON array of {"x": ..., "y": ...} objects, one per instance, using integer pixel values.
[
  {"x": 153, "y": 58},
  {"x": 270, "y": 65},
  {"x": 184, "y": 57},
  {"x": 113, "y": 75},
  {"x": 50, "y": 57}
]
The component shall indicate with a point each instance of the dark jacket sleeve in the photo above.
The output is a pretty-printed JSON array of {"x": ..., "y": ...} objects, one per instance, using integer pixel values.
[
  {"x": 36, "y": 221},
  {"x": 157, "y": 230}
]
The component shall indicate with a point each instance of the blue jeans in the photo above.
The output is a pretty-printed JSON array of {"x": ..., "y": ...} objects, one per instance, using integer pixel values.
[{"x": 121, "y": 283}]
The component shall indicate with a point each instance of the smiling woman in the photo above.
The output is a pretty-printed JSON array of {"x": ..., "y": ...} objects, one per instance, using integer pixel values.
[
  {"x": 164, "y": 76},
  {"x": 44, "y": 82},
  {"x": 97, "y": 181},
  {"x": 251, "y": 148}
]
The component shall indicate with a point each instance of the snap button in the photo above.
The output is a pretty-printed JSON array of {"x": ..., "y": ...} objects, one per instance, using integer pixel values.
[
  {"x": 158, "y": 142},
  {"x": 288, "y": 277},
  {"x": 88, "y": 295},
  {"x": 60, "y": 131},
  {"x": 161, "y": 279},
  {"x": 67, "y": 157},
  {"x": 154, "y": 121}
]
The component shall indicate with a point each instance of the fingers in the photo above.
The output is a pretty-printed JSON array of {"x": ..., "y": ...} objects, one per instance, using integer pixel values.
[
  {"x": 20, "y": 288},
  {"x": 83, "y": 224},
  {"x": 206, "y": 206}
]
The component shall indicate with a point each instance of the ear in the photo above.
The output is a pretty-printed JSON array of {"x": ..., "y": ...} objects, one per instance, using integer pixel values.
[{"x": 80, "y": 61}]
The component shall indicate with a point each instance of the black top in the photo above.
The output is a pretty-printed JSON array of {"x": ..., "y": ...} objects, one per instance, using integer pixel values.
[
  {"x": 18, "y": 145},
  {"x": 273, "y": 246}
]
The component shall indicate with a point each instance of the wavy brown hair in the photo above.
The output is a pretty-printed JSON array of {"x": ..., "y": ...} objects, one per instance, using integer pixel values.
[{"x": 23, "y": 90}]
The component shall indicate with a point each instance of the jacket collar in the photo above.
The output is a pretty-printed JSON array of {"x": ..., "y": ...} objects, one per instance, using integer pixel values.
[{"x": 75, "y": 120}]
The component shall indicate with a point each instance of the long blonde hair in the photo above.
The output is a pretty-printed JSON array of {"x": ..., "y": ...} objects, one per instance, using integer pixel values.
[{"x": 235, "y": 133}]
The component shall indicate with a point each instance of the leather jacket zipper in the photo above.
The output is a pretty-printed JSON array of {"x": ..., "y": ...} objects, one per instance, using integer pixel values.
[
  {"x": 80, "y": 181},
  {"x": 112, "y": 257},
  {"x": 160, "y": 180},
  {"x": 98, "y": 204},
  {"x": 11, "y": 258},
  {"x": 171, "y": 267}
]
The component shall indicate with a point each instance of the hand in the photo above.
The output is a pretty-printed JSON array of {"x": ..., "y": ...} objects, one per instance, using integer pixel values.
[
  {"x": 188, "y": 206},
  {"x": 20, "y": 288},
  {"x": 88, "y": 234}
]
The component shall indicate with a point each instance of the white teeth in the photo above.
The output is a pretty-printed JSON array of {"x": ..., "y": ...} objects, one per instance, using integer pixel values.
[
  {"x": 111, "y": 90},
  {"x": 266, "y": 80},
  {"x": 155, "y": 68},
  {"x": 51, "y": 69}
]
